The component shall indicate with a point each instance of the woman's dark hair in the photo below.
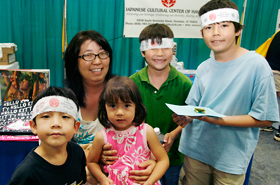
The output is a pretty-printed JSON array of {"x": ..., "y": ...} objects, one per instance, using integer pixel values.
[
  {"x": 156, "y": 32},
  {"x": 126, "y": 90},
  {"x": 73, "y": 76},
  {"x": 218, "y": 4}
]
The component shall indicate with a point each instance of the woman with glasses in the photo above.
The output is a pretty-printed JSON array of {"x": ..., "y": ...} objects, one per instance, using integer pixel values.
[
  {"x": 88, "y": 67},
  {"x": 88, "y": 64}
]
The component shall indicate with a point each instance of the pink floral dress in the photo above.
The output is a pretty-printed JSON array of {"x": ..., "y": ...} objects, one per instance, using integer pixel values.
[{"x": 132, "y": 150}]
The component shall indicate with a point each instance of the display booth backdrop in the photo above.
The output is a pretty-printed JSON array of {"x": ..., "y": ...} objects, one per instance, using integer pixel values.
[{"x": 35, "y": 26}]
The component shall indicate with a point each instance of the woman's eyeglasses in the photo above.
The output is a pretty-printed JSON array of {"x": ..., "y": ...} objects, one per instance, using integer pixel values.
[{"x": 92, "y": 56}]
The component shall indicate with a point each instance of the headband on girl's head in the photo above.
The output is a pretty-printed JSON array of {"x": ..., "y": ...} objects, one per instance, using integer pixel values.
[
  {"x": 148, "y": 44},
  {"x": 55, "y": 104},
  {"x": 219, "y": 15}
]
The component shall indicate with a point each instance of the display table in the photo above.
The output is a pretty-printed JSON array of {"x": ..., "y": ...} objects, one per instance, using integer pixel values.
[{"x": 11, "y": 155}]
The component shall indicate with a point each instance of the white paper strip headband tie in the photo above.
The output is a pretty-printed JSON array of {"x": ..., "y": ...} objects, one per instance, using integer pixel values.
[
  {"x": 148, "y": 44},
  {"x": 56, "y": 104},
  {"x": 219, "y": 15}
]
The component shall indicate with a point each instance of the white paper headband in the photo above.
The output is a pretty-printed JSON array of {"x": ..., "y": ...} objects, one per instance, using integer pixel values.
[
  {"x": 54, "y": 103},
  {"x": 219, "y": 15},
  {"x": 148, "y": 44}
]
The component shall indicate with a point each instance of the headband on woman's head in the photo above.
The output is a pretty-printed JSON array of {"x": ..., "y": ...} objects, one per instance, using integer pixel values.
[
  {"x": 148, "y": 44},
  {"x": 219, "y": 15},
  {"x": 55, "y": 104}
]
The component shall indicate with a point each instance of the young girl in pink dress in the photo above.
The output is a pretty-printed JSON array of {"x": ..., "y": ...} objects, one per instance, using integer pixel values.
[{"x": 121, "y": 112}]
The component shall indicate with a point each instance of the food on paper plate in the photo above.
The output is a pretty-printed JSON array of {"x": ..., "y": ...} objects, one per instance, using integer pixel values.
[{"x": 199, "y": 110}]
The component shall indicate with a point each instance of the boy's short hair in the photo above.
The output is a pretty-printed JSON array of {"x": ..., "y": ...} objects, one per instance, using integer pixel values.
[
  {"x": 125, "y": 89},
  {"x": 218, "y": 4},
  {"x": 56, "y": 91},
  {"x": 156, "y": 32}
]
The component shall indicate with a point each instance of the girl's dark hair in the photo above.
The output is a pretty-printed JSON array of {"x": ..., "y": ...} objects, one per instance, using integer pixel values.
[
  {"x": 156, "y": 32},
  {"x": 56, "y": 91},
  {"x": 126, "y": 90},
  {"x": 73, "y": 76},
  {"x": 218, "y": 4}
]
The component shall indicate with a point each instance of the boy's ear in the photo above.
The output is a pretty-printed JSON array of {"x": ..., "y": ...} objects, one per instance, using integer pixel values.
[
  {"x": 143, "y": 54},
  {"x": 201, "y": 32},
  {"x": 238, "y": 33},
  {"x": 77, "y": 126},
  {"x": 33, "y": 127}
]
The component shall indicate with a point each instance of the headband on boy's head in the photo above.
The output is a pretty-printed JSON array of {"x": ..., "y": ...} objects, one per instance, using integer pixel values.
[
  {"x": 148, "y": 44},
  {"x": 55, "y": 104},
  {"x": 219, "y": 15}
]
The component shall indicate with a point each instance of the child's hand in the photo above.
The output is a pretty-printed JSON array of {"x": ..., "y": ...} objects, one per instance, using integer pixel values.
[
  {"x": 147, "y": 183},
  {"x": 212, "y": 120},
  {"x": 181, "y": 120},
  {"x": 168, "y": 141},
  {"x": 106, "y": 181}
]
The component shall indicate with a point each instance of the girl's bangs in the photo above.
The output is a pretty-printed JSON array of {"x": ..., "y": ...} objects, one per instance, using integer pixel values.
[{"x": 116, "y": 94}]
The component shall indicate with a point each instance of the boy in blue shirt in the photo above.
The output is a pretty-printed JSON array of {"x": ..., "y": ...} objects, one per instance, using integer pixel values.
[{"x": 235, "y": 82}]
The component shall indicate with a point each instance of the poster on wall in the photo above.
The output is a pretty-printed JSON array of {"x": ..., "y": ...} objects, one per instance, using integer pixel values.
[
  {"x": 18, "y": 90},
  {"x": 180, "y": 15}
]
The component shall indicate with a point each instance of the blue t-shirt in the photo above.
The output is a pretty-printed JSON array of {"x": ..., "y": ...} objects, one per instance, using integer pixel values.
[{"x": 243, "y": 86}]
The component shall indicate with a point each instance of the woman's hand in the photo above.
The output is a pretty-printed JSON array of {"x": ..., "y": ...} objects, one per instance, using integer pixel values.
[
  {"x": 141, "y": 176},
  {"x": 108, "y": 156}
]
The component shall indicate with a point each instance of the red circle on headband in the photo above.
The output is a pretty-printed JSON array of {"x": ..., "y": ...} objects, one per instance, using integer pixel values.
[
  {"x": 154, "y": 43},
  {"x": 212, "y": 16},
  {"x": 54, "y": 102}
]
